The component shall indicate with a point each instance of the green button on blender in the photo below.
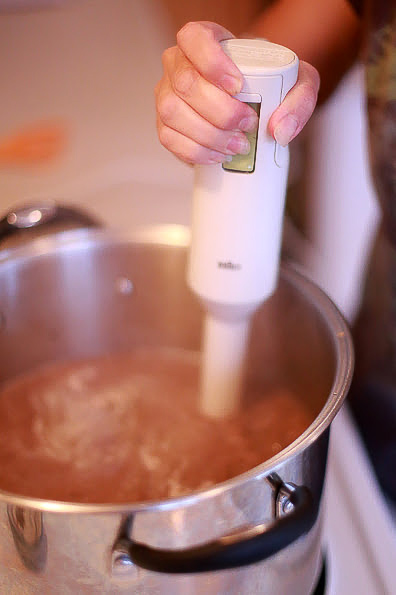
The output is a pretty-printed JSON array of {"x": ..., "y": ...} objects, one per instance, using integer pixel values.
[{"x": 246, "y": 163}]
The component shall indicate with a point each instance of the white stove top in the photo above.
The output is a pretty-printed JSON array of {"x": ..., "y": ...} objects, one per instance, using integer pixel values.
[{"x": 360, "y": 533}]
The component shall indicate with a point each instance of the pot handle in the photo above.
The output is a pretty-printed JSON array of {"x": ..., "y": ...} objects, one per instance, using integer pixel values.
[
  {"x": 240, "y": 548},
  {"x": 38, "y": 214}
]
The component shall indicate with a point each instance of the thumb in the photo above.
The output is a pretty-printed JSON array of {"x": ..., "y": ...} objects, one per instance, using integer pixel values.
[{"x": 295, "y": 110}]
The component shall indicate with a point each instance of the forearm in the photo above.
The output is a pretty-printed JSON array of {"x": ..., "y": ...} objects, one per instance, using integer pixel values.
[{"x": 324, "y": 33}]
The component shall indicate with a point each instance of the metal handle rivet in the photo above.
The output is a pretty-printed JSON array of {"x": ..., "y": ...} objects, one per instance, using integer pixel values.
[{"x": 122, "y": 563}]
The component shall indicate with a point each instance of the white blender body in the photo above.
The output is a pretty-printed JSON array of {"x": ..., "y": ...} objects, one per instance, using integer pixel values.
[{"x": 237, "y": 226}]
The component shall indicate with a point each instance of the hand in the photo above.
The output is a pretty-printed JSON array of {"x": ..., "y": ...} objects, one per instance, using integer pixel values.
[{"x": 198, "y": 119}]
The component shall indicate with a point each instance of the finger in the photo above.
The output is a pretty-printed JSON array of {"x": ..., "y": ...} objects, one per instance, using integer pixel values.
[
  {"x": 295, "y": 110},
  {"x": 178, "y": 115},
  {"x": 205, "y": 98},
  {"x": 187, "y": 149},
  {"x": 199, "y": 42}
]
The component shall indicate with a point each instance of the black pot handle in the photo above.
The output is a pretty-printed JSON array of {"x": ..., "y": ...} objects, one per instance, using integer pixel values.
[
  {"x": 43, "y": 213},
  {"x": 247, "y": 546}
]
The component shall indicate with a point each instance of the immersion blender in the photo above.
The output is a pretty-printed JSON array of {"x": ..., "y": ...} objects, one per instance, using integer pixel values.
[{"x": 237, "y": 226}]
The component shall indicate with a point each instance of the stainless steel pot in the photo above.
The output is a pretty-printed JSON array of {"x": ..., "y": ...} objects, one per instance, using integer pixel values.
[{"x": 88, "y": 292}]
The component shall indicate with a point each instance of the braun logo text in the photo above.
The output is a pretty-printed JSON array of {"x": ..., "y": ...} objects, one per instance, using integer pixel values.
[{"x": 229, "y": 265}]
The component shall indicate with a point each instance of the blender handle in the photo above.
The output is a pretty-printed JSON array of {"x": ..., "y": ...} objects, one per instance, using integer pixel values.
[
  {"x": 240, "y": 548},
  {"x": 39, "y": 214}
]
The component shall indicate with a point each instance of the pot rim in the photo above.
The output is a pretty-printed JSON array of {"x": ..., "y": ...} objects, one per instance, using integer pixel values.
[{"x": 179, "y": 236}]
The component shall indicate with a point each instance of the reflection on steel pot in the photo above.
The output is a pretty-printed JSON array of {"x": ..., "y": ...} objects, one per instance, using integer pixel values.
[{"x": 86, "y": 293}]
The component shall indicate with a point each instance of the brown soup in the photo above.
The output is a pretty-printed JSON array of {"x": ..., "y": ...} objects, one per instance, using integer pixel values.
[{"x": 127, "y": 428}]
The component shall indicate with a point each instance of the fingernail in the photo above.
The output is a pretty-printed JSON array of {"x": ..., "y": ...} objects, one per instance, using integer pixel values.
[
  {"x": 248, "y": 124},
  {"x": 285, "y": 130},
  {"x": 231, "y": 84},
  {"x": 238, "y": 144},
  {"x": 219, "y": 158}
]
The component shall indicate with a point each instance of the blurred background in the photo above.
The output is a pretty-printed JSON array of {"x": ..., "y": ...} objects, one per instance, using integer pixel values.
[{"x": 77, "y": 124}]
